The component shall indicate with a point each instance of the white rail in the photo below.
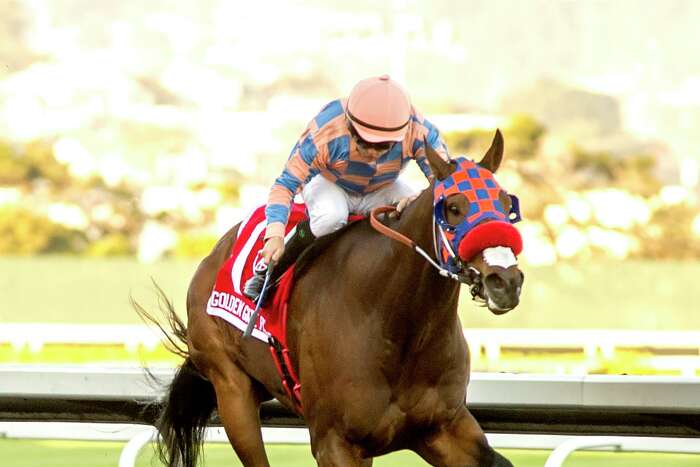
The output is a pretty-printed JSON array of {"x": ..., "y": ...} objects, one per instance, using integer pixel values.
[
  {"x": 649, "y": 392},
  {"x": 492, "y": 389},
  {"x": 559, "y": 455}
]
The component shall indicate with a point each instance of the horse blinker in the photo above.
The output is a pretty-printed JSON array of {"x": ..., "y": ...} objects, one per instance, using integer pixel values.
[{"x": 485, "y": 209}]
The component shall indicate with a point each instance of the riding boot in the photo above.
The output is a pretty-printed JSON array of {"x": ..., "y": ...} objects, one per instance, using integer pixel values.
[{"x": 293, "y": 247}]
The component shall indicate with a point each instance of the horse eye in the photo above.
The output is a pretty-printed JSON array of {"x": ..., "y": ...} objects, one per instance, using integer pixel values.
[{"x": 454, "y": 209}]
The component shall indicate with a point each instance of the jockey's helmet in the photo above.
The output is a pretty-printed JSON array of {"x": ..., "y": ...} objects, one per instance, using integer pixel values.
[{"x": 379, "y": 109}]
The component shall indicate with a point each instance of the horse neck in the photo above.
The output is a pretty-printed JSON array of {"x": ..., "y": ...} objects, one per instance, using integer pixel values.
[{"x": 429, "y": 300}]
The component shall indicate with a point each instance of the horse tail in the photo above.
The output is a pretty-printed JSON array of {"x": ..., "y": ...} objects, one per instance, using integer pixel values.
[
  {"x": 189, "y": 404},
  {"x": 190, "y": 399}
]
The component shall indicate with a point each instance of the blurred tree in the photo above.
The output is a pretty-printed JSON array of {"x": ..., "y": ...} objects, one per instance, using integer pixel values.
[
  {"x": 468, "y": 142},
  {"x": 42, "y": 163},
  {"x": 115, "y": 244},
  {"x": 194, "y": 245},
  {"x": 230, "y": 192},
  {"x": 559, "y": 106},
  {"x": 634, "y": 172},
  {"x": 24, "y": 233},
  {"x": 669, "y": 235},
  {"x": 13, "y": 169},
  {"x": 522, "y": 136},
  {"x": 64, "y": 240},
  {"x": 33, "y": 161},
  {"x": 144, "y": 143}
]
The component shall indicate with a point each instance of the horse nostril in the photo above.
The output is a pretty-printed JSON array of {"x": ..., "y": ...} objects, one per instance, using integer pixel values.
[{"x": 495, "y": 282}]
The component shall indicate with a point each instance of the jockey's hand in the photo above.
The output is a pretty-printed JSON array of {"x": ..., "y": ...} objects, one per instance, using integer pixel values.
[
  {"x": 403, "y": 202},
  {"x": 273, "y": 249}
]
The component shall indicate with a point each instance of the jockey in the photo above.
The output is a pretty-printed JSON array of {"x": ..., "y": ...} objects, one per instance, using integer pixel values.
[{"x": 346, "y": 161}]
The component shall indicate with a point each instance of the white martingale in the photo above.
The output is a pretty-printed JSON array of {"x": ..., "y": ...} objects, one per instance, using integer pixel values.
[{"x": 500, "y": 256}]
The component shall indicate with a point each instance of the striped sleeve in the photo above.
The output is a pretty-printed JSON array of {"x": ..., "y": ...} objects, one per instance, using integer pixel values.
[
  {"x": 304, "y": 162},
  {"x": 432, "y": 135}
]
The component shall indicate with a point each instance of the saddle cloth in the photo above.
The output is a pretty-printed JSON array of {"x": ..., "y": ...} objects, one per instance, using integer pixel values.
[{"x": 227, "y": 300}]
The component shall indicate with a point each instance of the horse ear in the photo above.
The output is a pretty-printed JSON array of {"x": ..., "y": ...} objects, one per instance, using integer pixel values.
[
  {"x": 494, "y": 156},
  {"x": 439, "y": 166}
]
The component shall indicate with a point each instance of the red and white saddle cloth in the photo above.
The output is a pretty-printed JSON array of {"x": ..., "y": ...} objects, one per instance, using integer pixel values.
[{"x": 227, "y": 300}]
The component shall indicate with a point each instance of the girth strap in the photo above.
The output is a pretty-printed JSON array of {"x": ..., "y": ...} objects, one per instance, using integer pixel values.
[{"x": 283, "y": 363}]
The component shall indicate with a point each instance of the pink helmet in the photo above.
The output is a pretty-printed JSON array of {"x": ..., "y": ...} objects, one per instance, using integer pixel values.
[{"x": 379, "y": 109}]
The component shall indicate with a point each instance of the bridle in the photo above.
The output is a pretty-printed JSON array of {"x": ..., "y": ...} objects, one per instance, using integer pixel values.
[
  {"x": 482, "y": 191},
  {"x": 472, "y": 279}
]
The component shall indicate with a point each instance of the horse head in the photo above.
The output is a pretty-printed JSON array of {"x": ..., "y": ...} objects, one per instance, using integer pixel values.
[{"x": 473, "y": 220}]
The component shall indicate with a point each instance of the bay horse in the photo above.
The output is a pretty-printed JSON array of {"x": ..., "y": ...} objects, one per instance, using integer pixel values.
[{"x": 374, "y": 336}]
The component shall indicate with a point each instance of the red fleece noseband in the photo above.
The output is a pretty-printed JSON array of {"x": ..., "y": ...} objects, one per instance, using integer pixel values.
[{"x": 488, "y": 235}]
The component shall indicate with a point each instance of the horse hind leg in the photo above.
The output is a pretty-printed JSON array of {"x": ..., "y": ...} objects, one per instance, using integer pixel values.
[
  {"x": 236, "y": 395},
  {"x": 332, "y": 450},
  {"x": 238, "y": 406},
  {"x": 189, "y": 403},
  {"x": 460, "y": 442}
]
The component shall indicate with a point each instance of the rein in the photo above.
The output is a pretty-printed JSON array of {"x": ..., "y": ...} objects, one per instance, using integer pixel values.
[{"x": 474, "y": 286}]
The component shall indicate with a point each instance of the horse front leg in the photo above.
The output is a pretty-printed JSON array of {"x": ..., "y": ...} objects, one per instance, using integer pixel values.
[
  {"x": 332, "y": 450},
  {"x": 460, "y": 442}
]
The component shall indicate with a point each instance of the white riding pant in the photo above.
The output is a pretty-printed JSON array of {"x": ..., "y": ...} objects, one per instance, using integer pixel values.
[{"x": 329, "y": 205}]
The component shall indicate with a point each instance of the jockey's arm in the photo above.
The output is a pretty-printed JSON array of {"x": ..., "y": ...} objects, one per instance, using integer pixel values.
[
  {"x": 432, "y": 136},
  {"x": 304, "y": 162}
]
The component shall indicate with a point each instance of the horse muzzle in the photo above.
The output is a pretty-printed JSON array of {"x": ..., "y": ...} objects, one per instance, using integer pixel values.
[{"x": 501, "y": 289}]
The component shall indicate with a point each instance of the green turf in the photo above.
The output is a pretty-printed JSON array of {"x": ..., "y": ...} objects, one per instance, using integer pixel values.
[
  {"x": 65, "y": 289},
  {"x": 33, "y": 453},
  {"x": 604, "y": 294}
]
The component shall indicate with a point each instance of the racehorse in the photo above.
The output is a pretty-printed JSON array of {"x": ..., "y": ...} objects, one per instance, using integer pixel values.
[{"x": 374, "y": 336}]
